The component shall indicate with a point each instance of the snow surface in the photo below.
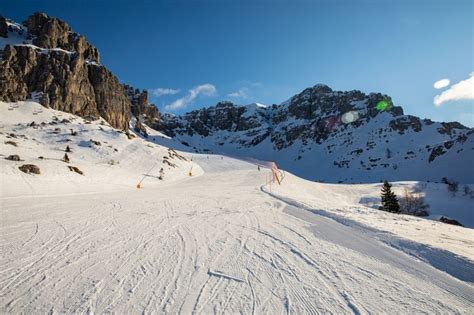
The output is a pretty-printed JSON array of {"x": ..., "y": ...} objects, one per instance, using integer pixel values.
[{"x": 220, "y": 241}]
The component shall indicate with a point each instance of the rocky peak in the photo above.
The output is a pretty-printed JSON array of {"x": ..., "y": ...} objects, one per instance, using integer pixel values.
[
  {"x": 50, "y": 32},
  {"x": 321, "y": 101},
  {"x": 60, "y": 69}
]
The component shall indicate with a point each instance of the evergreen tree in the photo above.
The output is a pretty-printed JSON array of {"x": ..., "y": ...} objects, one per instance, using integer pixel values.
[{"x": 389, "y": 199}]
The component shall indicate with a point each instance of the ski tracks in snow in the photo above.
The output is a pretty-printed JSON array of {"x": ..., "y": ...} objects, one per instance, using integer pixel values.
[{"x": 212, "y": 244}]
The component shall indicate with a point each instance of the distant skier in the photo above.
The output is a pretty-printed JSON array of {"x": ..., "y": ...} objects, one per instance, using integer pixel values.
[
  {"x": 258, "y": 167},
  {"x": 162, "y": 174}
]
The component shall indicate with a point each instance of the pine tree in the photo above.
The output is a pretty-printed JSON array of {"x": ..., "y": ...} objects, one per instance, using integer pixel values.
[{"x": 389, "y": 199}]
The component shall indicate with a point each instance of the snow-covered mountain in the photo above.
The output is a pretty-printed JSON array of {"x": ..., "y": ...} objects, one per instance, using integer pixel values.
[{"x": 333, "y": 136}]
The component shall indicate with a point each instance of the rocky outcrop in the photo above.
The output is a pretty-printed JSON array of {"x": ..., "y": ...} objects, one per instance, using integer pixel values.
[
  {"x": 50, "y": 32},
  {"x": 30, "y": 169},
  {"x": 143, "y": 111},
  {"x": 61, "y": 70},
  {"x": 140, "y": 105},
  {"x": 112, "y": 103},
  {"x": 63, "y": 81}
]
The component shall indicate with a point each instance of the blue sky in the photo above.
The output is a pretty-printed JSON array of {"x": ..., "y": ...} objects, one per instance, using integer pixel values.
[{"x": 200, "y": 52}]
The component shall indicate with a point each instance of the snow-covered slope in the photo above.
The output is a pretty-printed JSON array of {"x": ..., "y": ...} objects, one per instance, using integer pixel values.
[
  {"x": 217, "y": 243},
  {"x": 108, "y": 159},
  {"x": 357, "y": 204},
  {"x": 332, "y": 136}
]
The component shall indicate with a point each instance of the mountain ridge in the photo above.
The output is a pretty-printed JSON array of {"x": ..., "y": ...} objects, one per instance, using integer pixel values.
[{"x": 338, "y": 130}]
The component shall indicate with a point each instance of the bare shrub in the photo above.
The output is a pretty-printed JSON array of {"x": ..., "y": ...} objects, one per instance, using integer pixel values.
[{"x": 413, "y": 203}]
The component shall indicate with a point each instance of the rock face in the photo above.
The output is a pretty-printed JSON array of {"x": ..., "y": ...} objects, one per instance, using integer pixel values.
[
  {"x": 333, "y": 136},
  {"x": 61, "y": 70},
  {"x": 143, "y": 111},
  {"x": 49, "y": 32}
]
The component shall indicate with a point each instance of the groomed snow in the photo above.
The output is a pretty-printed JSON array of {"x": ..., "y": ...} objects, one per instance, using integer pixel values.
[{"x": 215, "y": 242}]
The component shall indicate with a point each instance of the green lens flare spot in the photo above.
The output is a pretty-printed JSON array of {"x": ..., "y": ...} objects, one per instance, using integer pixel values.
[{"x": 382, "y": 106}]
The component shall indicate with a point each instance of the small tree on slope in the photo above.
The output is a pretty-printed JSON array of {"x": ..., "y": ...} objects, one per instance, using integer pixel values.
[{"x": 389, "y": 200}]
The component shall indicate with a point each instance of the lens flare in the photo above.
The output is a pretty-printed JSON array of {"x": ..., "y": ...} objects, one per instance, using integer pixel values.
[
  {"x": 350, "y": 117},
  {"x": 382, "y": 106}
]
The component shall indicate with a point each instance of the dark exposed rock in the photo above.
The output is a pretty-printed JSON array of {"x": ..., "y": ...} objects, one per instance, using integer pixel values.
[
  {"x": 436, "y": 152},
  {"x": 75, "y": 169},
  {"x": 450, "y": 127},
  {"x": 95, "y": 142},
  {"x": 402, "y": 124},
  {"x": 140, "y": 128},
  {"x": 13, "y": 143},
  {"x": 30, "y": 169},
  {"x": 129, "y": 135},
  {"x": 13, "y": 157},
  {"x": 450, "y": 221}
]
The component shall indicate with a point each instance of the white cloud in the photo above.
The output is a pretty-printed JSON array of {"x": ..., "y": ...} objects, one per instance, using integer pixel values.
[
  {"x": 242, "y": 93},
  {"x": 463, "y": 90},
  {"x": 441, "y": 84},
  {"x": 163, "y": 91},
  {"x": 204, "y": 89}
]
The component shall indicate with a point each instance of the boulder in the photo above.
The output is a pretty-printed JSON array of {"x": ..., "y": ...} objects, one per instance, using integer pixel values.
[
  {"x": 13, "y": 157},
  {"x": 450, "y": 221},
  {"x": 30, "y": 169}
]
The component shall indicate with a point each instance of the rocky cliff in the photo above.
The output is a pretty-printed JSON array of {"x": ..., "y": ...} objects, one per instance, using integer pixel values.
[{"x": 43, "y": 59}]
